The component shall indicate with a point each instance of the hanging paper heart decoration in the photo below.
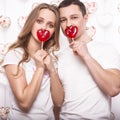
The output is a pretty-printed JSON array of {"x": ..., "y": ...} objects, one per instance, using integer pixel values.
[
  {"x": 71, "y": 31},
  {"x": 43, "y": 35}
]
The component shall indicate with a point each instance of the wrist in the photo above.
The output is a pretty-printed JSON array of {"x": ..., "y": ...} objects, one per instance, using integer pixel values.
[
  {"x": 52, "y": 71},
  {"x": 39, "y": 69},
  {"x": 86, "y": 57}
]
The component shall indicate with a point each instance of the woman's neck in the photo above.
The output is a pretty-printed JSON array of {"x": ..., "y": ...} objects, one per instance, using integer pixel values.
[{"x": 33, "y": 46}]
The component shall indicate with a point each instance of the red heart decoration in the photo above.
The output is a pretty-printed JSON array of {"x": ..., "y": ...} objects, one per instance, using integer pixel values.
[
  {"x": 43, "y": 35},
  {"x": 71, "y": 31}
]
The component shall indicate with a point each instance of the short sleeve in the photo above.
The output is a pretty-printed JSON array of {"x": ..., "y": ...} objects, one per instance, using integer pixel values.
[
  {"x": 13, "y": 57},
  {"x": 106, "y": 55}
]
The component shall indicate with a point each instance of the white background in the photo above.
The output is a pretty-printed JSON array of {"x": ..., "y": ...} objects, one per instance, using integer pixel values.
[{"x": 106, "y": 20}]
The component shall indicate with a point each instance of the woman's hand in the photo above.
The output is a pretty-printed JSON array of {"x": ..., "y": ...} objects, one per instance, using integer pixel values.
[
  {"x": 39, "y": 57},
  {"x": 49, "y": 64}
]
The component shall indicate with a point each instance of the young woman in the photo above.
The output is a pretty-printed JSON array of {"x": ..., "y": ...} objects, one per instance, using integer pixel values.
[{"x": 31, "y": 69}]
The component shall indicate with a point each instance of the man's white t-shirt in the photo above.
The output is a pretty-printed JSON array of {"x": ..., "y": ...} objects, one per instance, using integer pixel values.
[{"x": 83, "y": 98}]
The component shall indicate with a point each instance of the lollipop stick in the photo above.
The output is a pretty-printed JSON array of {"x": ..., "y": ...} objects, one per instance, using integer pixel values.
[
  {"x": 41, "y": 45},
  {"x": 72, "y": 39}
]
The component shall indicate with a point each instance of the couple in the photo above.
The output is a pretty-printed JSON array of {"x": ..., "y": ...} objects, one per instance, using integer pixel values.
[{"x": 80, "y": 79}]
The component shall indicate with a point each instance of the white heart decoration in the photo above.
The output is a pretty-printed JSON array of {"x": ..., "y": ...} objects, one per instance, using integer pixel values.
[
  {"x": 5, "y": 21},
  {"x": 118, "y": 7},
  {"x": 119, "y": 29},
  {"x": 21, "y": 20},
  {"x": 56, "y": 2},
  {"x": 34, "y": 5},
  {"x": 105, "y": 20},
  {"x": 91, "y": 31},
  {"x": 91, "y": 7}
]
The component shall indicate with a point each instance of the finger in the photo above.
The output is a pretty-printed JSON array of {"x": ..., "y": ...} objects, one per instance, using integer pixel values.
[{"x": 74, "y": 44}]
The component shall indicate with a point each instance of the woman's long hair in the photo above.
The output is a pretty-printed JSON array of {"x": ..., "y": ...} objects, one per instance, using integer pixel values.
[{"x": 25, "y": 34}]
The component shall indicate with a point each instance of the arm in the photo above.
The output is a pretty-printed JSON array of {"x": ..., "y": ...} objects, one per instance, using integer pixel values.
[
  {"x": 57, "y": 91},
  {"x": 107, "y": 79},
  {"x": 23, "y": 92},
  {"x": 56, "y": 111}
]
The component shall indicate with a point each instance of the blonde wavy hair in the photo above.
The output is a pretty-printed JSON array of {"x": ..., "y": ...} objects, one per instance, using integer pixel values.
[{"x": 25, "y": 34}]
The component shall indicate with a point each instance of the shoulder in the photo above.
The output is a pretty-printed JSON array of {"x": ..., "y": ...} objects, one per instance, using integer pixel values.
[
  {"x": 13, "y": 56},
  {"x": 105, "y": 53},
  {"x": 102, "y": 48},
  {"x": 16, "y": 51}
]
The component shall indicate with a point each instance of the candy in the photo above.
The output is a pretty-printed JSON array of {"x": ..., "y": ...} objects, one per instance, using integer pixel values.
[
  {"x": 43, "y": 35},
  {"x": 71, "y": 31}
]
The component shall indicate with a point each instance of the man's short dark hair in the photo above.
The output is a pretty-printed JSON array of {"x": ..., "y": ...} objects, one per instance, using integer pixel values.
[{"x": 66, "y": 3}]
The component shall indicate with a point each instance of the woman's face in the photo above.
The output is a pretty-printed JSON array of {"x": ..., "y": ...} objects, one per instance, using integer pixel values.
[{"x": 46, "y": 21}]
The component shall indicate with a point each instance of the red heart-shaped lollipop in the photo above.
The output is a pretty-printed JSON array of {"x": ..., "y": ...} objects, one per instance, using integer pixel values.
[
  {"x": 71, "y": 31},
  {"x": 43, "y": 35}
]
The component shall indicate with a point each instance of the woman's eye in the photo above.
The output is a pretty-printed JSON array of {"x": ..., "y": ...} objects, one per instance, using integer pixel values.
[
  {"x": 39, "y": 21},
  {"x": 51, "y": 25}
]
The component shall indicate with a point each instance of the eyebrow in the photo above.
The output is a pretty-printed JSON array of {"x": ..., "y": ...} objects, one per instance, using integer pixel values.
[
  {"x": 48, "y": 21},
  {"x": 70, "y": 16},
  {"x": 75, "y": 15}
]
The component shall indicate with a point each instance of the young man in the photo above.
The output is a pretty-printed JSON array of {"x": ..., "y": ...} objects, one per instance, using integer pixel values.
[{"x": 89, "y": 71}]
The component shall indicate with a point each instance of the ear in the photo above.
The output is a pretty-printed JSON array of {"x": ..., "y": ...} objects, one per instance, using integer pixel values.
[{"x": 86, "y": 17}]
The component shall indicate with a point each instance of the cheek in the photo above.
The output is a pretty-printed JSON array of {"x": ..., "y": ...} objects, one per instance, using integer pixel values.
[
  {"x": 63, "y": 26},
  {"x": 51, "y": 32},
  {"x": 82, "y": 24},
  {"x": 34, "y": 32}
]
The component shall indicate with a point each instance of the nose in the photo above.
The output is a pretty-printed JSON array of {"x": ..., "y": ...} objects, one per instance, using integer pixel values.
[
  {"x": 69, "y": 23},
  {"x": 44, "y": 26}
]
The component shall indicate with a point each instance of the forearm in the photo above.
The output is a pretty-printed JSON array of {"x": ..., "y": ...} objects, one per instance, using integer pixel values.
[
  {"x": 107, "y": 80},
  {"x": 56, "y": 89},
  {"x": 31, "y": 90},
  {"x": 56, "y": 111}
]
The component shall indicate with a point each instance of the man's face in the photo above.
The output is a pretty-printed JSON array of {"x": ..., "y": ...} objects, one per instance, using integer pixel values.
[{"x": 71, "y": 15}]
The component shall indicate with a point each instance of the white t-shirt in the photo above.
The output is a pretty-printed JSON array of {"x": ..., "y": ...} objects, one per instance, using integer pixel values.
[
  {"x": 42, "y": 108},
  {"x": 83, "y": 98}
]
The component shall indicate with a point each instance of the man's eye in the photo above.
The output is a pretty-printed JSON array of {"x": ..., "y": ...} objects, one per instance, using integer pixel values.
[
  {"x": 74, "y": 17},
  {"x": 62, "y": 20},
  {"x": 51, "y": 25}
]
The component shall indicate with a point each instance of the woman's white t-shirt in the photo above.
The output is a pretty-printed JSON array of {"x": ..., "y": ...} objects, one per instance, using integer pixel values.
[{"x": 42, "y": 108}]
